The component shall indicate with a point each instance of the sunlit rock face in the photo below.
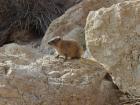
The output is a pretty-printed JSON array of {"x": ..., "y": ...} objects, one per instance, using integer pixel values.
[
  {"x": 113, "y": 38},
  {"x": 73, "y": 21}
]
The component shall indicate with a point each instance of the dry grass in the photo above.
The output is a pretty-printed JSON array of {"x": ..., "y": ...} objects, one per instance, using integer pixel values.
[{"x": 32, "y": 15}]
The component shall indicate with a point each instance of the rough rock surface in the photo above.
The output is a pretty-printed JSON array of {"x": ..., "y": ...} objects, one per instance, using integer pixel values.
[
  {"x": 73, "y": 18},
  {"x": 47, "y": 81},
  {"x": 18, "y": 54},
  {"x": 113, "y": 38}
]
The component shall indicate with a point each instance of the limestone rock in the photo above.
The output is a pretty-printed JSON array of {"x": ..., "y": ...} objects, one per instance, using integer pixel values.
[
  {"x": 18, "y": 54},
  {"x": 73, "y": 18},
  {"x": 49, "y": 81},
  {"x": 77, "y": 34},
  {"x": 112, "y": 37}
]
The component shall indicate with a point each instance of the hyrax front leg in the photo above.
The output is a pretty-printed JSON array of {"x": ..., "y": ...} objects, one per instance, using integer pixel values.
[
  {"x": 66, "y": 57},
  {"x": 57, "y": 56}
]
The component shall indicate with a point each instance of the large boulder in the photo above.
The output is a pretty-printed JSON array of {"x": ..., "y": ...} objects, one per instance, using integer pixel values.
[
  {"x": 113, "y": 38},
  {"x": 74, "y": 18},
  {"x": 49, "y": 81}
]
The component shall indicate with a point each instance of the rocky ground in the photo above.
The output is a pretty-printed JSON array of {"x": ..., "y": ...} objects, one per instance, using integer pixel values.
[
  {"x": 108, "y": 73},
  {"x": 28, "y": 78}
]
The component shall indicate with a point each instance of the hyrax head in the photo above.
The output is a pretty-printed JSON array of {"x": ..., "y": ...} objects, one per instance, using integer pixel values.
[{"x": 54, "y": 41}]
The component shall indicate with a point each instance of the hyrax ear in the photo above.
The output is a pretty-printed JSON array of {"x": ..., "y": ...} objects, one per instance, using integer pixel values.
[
  {"x": 56, "y": 37},
  {"x": 61, "y": 38}
]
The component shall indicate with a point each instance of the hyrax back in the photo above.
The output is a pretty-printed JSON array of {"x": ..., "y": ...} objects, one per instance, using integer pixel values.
[{"x": 67, "y": 48}]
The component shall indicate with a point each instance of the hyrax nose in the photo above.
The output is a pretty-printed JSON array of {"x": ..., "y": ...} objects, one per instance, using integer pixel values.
[{"x": 49, "y": 43}]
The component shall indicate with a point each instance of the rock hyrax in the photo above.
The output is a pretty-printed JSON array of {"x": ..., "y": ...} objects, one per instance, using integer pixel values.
[{"x": 66, "y": 48}]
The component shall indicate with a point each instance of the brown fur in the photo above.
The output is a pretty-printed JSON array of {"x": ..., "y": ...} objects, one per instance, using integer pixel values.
[{"x": 66, "y": 48}]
